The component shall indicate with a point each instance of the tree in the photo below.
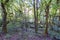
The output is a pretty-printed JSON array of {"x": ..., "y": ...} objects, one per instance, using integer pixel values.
[
  {"x": 4, "y": 24},
  {"x": 35, "y": 16},
  {"x": 47, "y": 13},
  {"x": 58, "y": 1}
]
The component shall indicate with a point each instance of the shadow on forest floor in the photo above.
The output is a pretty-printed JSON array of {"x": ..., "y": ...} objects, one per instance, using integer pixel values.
[{"x": 23, "y": 35}]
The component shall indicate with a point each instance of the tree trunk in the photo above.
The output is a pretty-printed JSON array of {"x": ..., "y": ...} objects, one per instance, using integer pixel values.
[
  {"x": 47, "y": 13},
  {"x": 58, "y": 8},
  {"x": 4, "y": 25},
  {"x": 35, "y": 18},
  {"x": 59, "y": 14}
]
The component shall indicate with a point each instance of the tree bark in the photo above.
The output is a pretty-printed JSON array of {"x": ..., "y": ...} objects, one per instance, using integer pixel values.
[
  {"x": 4, "y": 25},
  {"x": 58, "y": 8},
  {"x": 59, "y": 14},
  {"x": 35, "y": 17},
  {"x": 47, "y": 13}
]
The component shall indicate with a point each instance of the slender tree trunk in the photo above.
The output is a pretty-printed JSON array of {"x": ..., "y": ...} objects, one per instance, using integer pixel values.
[
  {"x": 4, "y": 28},
  {"x": 58, "y": 1},
  {"x": 37, "y": 1},
  {"x": 4, "y": 25},
  {"x": 35, "y": 18},
  {"x": 59, "y": 14},
  {"x": 47, "y": 13}
]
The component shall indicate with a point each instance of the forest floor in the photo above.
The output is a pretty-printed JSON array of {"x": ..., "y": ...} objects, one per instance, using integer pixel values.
[{"x": 22, "y": 34}]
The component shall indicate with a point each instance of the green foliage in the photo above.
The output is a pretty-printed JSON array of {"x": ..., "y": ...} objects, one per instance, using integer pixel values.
[{"x": 16, "y": 11}]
